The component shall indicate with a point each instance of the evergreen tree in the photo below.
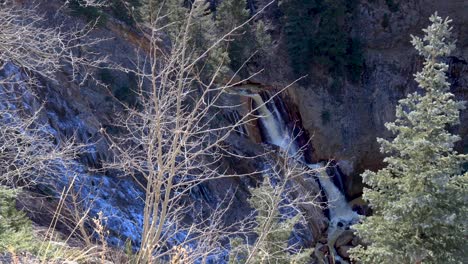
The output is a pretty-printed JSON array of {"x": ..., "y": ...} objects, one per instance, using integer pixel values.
[
  {"x": 273, "y": 232},
  {"x": 263, "y": 39},
  {"x": 230, "y": 14},
  {"x": 205, "y": 34},
  {"x": 126, "y": 11},
  {"x": 168, "y": 14},
  {"x": 190, "y": 23},
  {"x": 15, "y": 227},
  {"x": 245, "y": 41},
  {"x": 298, "y": 21},
  {"x": 419, "y": 200},
  {"x": 328, "y": 46},
  {"x": 316, "y": 31}
]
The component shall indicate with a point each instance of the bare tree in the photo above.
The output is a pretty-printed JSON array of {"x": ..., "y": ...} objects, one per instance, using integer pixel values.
[
  {"x": 173, "y": 140},
  {"x": 28, "y": 42},
  {"x": 27, "y": 149},
  {"x": 90, "y": 3},
  {"x": 281, "y": 202},
  {"x": 31, "y": 49},
  {"x": 31, "y": 152}
]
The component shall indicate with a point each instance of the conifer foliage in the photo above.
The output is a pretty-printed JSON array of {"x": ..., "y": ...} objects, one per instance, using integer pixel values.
[
  {"x": 252, "y": 37},
  {"x": 15, "y": 228},
  {"x": 419, "y": 200},
  {"x": 271, "y": 245},
  {"x": 229, "y": 14}
]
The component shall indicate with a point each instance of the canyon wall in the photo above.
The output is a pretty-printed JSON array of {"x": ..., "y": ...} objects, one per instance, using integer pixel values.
[
  {"x": 342, "y": 118},
  {"x": 345, "y": 119}
]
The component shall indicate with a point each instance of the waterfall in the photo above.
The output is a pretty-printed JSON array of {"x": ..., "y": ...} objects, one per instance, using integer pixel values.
[
  {"x": 277, "y": 132},
  {"x": 275, "y": 129},
  {"x": 334, "y": 171},
  {"x": 341, "y": 214}
]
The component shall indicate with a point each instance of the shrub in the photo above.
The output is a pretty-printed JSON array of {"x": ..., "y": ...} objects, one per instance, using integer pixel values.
[
  {"x": 15, "y": 228},
  {"x": 272, "y": 230},
  {"x": 328, "y": 44}
]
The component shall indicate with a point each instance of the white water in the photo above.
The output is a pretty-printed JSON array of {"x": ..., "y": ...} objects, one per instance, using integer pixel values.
[
  {"x": 341, "y": 214},
  {"x": 276, "y": 131}
]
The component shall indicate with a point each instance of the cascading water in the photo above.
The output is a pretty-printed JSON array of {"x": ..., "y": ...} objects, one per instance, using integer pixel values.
[
  {"x": 341, "y": 214},
  {"x": 276, "y": 132}
]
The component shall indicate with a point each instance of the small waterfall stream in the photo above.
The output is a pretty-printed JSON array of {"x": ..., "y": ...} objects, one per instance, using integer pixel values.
[
  {"x": 275, "y": 129},
  {"x": 341, "y": 214},
  {"x": 276, "y": 132}
]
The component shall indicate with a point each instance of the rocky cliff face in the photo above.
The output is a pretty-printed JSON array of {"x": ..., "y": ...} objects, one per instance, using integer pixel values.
[{"x": 343, "y": 121}]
